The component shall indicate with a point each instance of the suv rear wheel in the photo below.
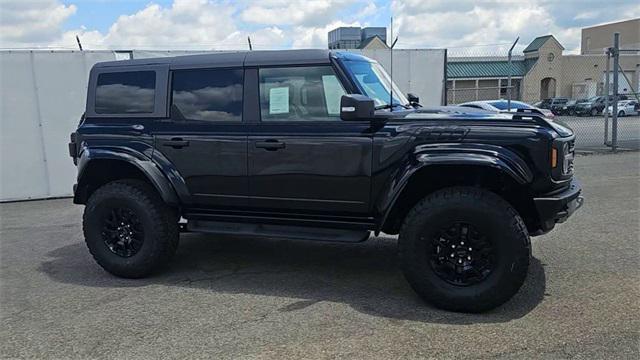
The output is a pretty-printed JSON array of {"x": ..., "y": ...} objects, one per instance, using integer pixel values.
[
  {"x": 128, "y": 229},
  {"x": 464, "y": 249}
]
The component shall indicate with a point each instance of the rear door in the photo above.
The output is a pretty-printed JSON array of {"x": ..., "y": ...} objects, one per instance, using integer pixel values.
[
  {"x": 302, "y": 157},
  {"x": 203, "y": 145}
]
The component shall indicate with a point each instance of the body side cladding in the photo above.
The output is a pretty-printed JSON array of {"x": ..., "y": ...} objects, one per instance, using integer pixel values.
[
  {"x": 125, "y": 155},
  {"x": 459, "y": 154}
]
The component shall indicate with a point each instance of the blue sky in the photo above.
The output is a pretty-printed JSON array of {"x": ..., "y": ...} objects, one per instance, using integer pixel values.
[
  {"x": 275, "y": 24},
  {"x": 101, "y": 14}
]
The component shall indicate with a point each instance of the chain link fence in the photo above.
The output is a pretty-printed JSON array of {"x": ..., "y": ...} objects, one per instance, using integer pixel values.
[{"x": 569, "y": 87}]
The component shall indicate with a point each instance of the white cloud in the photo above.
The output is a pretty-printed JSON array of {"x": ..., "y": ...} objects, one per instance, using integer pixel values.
[
  {"x": 369, "y": 9},
  {"x": 436, "y": 23},
  {"x": 225, "y": 24},
  {"x": 315, "y": 37},
  {"x": 32, "y": 21},
  {"x": 294, "y": 12},
  {"x": 186, "y": 24}
]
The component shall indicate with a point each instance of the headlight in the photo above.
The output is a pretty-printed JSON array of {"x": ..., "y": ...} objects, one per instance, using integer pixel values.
[
  {"x": 562, "y": 129},
  {"x": 567, "y": 158},
  {"x": 562, "y": 156}
]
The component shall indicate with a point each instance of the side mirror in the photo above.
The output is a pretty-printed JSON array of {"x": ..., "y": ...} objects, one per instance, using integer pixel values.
[
  {"x": 356, "y": 107},
  {"x": 412, "y": 98}
]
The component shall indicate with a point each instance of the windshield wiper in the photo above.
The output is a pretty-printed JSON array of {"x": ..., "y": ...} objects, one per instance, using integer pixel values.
[
  {"x": 385, "y": 106},
  {"x": 389, "y": 106}
]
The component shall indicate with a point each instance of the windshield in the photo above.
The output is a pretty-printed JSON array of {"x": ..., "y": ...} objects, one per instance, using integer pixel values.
[
  {"x": 502, "y": 105},
  {"x": 592, "y": 99},
  {"x": 375, "y": 82}
]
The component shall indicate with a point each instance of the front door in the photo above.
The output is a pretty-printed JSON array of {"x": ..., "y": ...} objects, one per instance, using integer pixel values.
[
  {"x": 302, "y": 157},
  {"x": 204, "y": 144}
]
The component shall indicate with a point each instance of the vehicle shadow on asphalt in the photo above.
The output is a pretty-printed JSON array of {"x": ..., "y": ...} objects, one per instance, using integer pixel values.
[{"x": 366, "y": 276}]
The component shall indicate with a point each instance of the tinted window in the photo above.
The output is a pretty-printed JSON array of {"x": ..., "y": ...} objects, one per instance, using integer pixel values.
[
  {"x": 502, "y": 105},
  {"x": 207, "y": 94},
  {"x": 128, "y": 92},
  {"x": 300, "y": 93}
]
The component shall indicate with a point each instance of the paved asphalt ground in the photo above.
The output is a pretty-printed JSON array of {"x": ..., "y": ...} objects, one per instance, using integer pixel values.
[{"x": 259, "y": 298}]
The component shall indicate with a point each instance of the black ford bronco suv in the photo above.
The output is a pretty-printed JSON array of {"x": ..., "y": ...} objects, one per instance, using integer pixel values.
[{"x": 307, "y": 144}]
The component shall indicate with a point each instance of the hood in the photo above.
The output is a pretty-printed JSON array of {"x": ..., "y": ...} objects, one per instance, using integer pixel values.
[{"x": 458, "y": 113}]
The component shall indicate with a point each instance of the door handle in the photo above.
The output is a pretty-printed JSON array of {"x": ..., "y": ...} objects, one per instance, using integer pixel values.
[
  {"x": 270, "y": 145},
  {"x": 176, "y": 143}
]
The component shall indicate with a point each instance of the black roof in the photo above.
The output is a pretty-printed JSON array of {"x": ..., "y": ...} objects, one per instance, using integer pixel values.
[{"x": 240, "y": 58}]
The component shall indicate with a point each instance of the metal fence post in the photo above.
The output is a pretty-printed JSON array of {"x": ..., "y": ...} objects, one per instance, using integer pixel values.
[
  {"x": 509, "y": 78},
  {"x": 445, "y": 99},
  {"x": 614, "y": 112},
  {"x": 606, "y": 99}
]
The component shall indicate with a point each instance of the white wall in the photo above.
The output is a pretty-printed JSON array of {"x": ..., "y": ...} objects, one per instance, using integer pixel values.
[
  {"x": 417, "y": 71},
  {"x": 43, "y": 96},
  {"x": 44, "y": 92}
]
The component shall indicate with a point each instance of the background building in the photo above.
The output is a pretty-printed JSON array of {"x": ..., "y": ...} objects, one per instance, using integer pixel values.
[
  {"x": 357, "y": 38},
  {"x": 595, "y": 39},
  {"x": 544, "y": 71}
]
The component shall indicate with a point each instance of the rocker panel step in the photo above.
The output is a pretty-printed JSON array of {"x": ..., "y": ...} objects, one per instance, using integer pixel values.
[{"x": 278, "y": 231}]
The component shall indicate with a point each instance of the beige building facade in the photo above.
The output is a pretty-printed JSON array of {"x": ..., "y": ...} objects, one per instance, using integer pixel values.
[
  {"x": 545, "y": 71},
  {"x": 595, "y": 39},
  {"x": 575, "y": 76}
]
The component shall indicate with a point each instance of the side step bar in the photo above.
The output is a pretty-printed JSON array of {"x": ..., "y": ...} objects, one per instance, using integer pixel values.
[{"x": 278, "y": 231}]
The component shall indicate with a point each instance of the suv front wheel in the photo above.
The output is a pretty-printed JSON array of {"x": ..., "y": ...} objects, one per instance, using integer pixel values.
[
  {"x": 464, "y": 249},
  {"x": 128, "y": 229}
]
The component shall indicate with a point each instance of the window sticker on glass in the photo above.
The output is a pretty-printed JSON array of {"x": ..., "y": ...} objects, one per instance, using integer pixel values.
[
  {"x": 279, "y": 100},
  {"x": 333, "y": 92}
]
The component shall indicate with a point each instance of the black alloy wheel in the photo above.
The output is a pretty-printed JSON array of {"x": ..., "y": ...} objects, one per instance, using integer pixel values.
[
  {"x": 122, "y": 232},
  {"x": 462, "y": 255},
  {"x": 129, "y": 230},
  {"x": 464, "y": 249}
]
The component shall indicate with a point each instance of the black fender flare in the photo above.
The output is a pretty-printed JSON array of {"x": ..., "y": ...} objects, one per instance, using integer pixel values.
[
  {"x": 462, "y": 154},
  {"x": 130, "y": 156}
]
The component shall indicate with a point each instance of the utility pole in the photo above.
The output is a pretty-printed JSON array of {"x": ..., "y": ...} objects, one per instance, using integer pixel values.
[
  {"x": 509, "y": 76},
  {"x": 249, "y": 40}
]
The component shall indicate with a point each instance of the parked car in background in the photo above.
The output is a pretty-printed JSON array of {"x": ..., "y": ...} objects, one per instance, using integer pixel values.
[
  {"x": 553, "y": 102},
  {"x": 625, "y": 108},
  {"x": 567, "y": 109},
  {"x": 594, "y": 105},
  {"x": 501, "y": 105}
]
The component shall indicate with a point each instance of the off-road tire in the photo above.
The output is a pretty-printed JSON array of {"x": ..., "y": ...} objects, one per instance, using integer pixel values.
[
  {"x": 489, "y": 212},
  {"x": 161, "y": 233}
]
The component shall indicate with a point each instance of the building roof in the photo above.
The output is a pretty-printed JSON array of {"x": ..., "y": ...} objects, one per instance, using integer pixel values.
[
  {"x": 537, "y": 43},
  {"x": 487, "y": 69},
  {"x": 364, "y": 44}
]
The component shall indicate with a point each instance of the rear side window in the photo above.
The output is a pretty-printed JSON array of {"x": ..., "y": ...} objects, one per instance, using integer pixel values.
[
  {"x": 127, "y": 92},
  {"x": 207, "y": 94}
]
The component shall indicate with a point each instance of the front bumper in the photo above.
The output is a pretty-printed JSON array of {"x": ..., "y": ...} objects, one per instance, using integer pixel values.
[{"x": 558, "y": 207}]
